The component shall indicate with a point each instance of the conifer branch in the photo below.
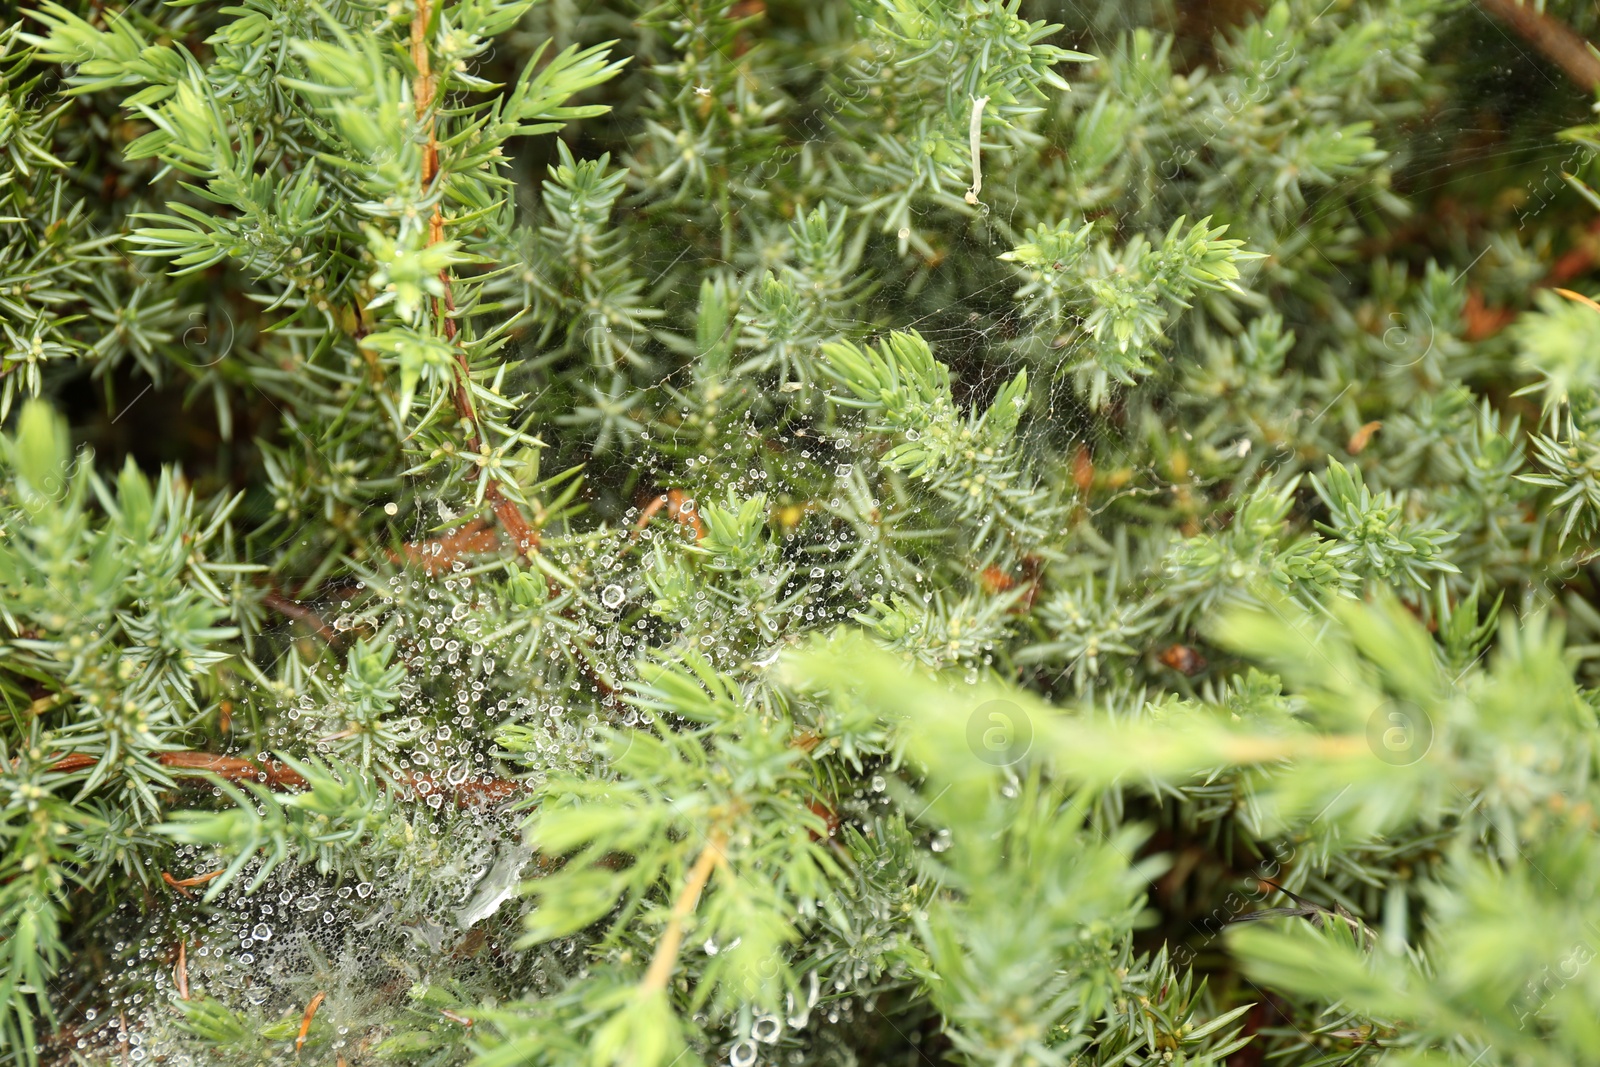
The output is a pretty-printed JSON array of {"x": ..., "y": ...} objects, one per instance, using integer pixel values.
[{"x": 848, "y": 651}]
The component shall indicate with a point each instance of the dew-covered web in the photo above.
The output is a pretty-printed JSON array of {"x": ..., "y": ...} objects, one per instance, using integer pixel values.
[{"x": 475, "y": 712}]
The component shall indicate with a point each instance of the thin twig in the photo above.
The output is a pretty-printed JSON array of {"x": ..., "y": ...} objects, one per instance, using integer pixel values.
[
  {"x": 183, "y": 885},
  {"x": 305, "y": 1023},
  {"x": 182, "y": 972},
  {"x": 666, "y": 954}
]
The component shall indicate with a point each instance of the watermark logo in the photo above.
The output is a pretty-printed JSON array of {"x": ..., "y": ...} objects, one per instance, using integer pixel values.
[
  {"x": 999, "y": 733},
  {"x": 1406, "y": 342},
  {"x": 198, "y": 342},
  {"x": 1399, "y": 733}
]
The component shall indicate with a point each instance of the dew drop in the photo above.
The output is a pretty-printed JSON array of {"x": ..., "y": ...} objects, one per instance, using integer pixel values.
[
  {"x": 262, "y": 932},
  {"x": 612, "y": 596}
]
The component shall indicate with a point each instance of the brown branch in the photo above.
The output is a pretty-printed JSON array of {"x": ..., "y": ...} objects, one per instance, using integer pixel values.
[
  {"x": 1558, "y": 43},
  {"x": 524, "y": 535},
  {"x": 300, "y": 613},
  {"x": 280, "y": 776},
  {"x": 438, "y": 553},
  {"x": 202, "y": 763},
  {"x": 269, "y": 772}
]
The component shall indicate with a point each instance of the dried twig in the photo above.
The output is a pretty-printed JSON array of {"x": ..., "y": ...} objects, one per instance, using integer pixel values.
[
  {"x": 183, "y": 885},
  {"x": 305, "y": 1023}
]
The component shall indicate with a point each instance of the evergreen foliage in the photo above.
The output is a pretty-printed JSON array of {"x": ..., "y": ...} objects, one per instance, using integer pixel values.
[{"x": 860, "y": 532}]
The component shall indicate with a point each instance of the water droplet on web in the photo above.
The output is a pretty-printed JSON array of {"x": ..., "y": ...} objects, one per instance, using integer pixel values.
[
  {"x": 612, "y": 596},
  {"x": 797, "y": 1019},
  {"x": 766, "y": 1029},
  {"x": 742, "y": 1054},
  {"x": 262, "y": 932}
]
